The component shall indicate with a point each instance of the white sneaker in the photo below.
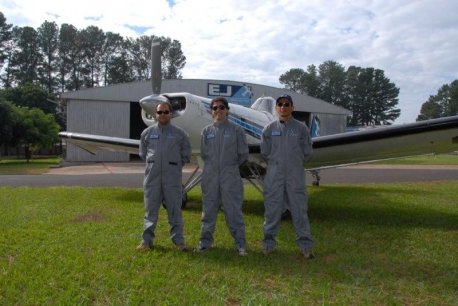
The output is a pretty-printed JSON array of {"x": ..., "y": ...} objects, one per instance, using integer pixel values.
[{"x": 242, "y": 252}]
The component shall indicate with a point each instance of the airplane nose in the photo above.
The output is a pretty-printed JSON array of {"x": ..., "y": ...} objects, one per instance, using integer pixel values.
[{"x": 149, "y": 103}]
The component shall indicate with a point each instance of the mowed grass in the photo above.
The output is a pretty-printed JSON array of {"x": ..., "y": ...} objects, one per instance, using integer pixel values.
[
  {"x": 432, "y": 159},
  {"x": 21, "y": 166},
  {"x": 392, "y": 244}
]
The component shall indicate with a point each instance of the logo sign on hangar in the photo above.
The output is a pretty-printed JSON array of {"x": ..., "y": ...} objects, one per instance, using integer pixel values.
[{"x": 237, "y": 94}]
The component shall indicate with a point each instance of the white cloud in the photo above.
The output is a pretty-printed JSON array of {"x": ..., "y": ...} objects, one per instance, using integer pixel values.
[{"x": 414, "y": 42}]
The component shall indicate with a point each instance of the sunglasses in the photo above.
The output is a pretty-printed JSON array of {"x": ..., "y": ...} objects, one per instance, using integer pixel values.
[
  {"x": 286, "y": 104},
  {"x": 163, "y": 112},
  {"x": 220, "y": 107}
]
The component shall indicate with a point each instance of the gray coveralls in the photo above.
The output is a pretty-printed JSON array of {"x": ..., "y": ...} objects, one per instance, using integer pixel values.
[
  {"x": 165, "y": 148},
  {"x": 285, "y": 147},
  {"x": 223, "y": 148}
]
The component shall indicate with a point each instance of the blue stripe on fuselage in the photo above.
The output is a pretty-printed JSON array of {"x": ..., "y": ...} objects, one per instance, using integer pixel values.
[{"x": 249, "y": 127}]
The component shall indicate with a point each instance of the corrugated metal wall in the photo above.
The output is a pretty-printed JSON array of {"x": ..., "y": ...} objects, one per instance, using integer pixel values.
[{"x": 101, "y": 118}]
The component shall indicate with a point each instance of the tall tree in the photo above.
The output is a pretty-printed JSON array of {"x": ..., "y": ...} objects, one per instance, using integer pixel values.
[
  {"x": 72, "y": 56},
  {"x": 48, "y": 40},
  {"x": 5, "y": 37},
  {"x": 293, "y": 79},
  {"x": 365, "y": 91},
  {"x": 304, "y": 82},
  {"x": 67, "y": 36},
  {"x": 93, "y": 40},
  {"x": 173, "y": 59},
  {"x": 27, "y": 56},
  {"x": 372, "y": 97},
  {"x": 443, "y": 104},
  {"x": 7, "y": 45},
  {"x": 331, "y": 78},
  {"x": 112, "y": 55},
  {"x": 140, "y": 54}
]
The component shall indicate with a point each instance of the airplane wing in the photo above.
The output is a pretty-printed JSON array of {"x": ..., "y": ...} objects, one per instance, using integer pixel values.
[
  {"x": 419, "y": 138},
  {"x": 424, "y": 137},
  {"x": 92, "y": 143}
]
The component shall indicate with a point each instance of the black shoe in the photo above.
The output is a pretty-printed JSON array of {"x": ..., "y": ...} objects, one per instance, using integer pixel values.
[{"x": 202, "y": 249}]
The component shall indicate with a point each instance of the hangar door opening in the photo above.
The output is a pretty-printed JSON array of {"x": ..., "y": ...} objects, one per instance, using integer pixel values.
[{"x": 136, "y": 125}]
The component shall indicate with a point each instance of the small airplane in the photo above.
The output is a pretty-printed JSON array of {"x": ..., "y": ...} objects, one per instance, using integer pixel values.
[{"x": 192, "y": 113}]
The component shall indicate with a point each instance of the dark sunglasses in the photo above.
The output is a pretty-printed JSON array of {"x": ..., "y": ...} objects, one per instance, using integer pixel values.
[
  {"x": 221, "y": 107},
  {"x": 163, "y": 112},
  {"x": 286, "y": 104}
]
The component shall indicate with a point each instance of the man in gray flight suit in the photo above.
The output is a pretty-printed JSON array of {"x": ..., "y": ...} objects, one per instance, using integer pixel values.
[
  {"x": 223, "y": 149},
  {"x": 285, "y": 145},
  {"x": 165, "y": 148}
]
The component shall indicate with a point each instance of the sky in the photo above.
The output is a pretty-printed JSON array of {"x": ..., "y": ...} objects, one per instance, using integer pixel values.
[{"x": 414, "y": 42}]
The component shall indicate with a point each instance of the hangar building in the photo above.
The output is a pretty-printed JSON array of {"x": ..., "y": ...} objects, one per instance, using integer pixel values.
[{"x": 114, "y": 110}]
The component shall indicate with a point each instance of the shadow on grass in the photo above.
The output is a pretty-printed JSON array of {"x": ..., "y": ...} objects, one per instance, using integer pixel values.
[
  {"x": 379, "y": 206},
  {"x": 365, "y": 205}
]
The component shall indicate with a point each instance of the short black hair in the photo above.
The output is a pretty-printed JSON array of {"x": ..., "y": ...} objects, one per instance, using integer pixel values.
[{"x": 220, "y": 99}]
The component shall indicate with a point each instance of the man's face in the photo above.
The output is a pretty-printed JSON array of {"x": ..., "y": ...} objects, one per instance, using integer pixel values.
[
  {"x": 163, "y": 114},
  {"x": 284, "y": 109},
  {"x": 219, "y": 111}
]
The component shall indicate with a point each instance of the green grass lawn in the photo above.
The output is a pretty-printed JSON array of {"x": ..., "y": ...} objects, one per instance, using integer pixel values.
[
  {"x": 392, "y": 244},
  {"x": 21, "y": 166}
]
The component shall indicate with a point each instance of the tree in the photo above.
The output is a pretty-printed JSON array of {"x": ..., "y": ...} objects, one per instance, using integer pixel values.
[
  {"x": 71, "y": 58},
  {"x": 294, "y": 80},
  {"x": 371, "y": 96},
  {"x": 48, "y": 40},
  {"x": 331, "y": 78},
  {"x": 172, "y": 57},
  {"x": 365, "y": 91},
  {"x": 6, "y": 121},
  {"x": 93, "y": 40},
  {"x": 5, "y": 37},
  {"x": 29, "y": 95},
  {"x": 443, "y": 104},
  {"x": 26, "y": 58},
  {"x": 33, "y": 129},
  {"x": 114, "y": 60}
]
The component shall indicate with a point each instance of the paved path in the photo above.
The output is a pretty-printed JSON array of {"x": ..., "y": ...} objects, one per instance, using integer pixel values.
[{"x": 131, "y": 175}]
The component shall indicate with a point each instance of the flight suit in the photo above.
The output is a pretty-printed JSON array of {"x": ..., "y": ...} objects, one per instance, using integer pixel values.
[
  {"x": 165, "y": 149},
  {"x": 286, "y": 146},
  {"x": 223, "y": 148}
]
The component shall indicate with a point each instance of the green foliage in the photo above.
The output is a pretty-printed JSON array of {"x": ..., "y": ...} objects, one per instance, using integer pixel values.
[
  {"x": 6, "y": 121},
  {"x": 33, "y": 129},
  {"x": 365, "y": 91},
  {"x": 66, "y": 58},
  {"x": 443, "y": 104},
  {"x": 29, "y": 95},
  {"x": 375, "y": 245}
]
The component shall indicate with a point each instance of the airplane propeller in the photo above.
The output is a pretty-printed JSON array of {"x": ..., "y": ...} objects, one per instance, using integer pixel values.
[{"x": 149, "y": 103}]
